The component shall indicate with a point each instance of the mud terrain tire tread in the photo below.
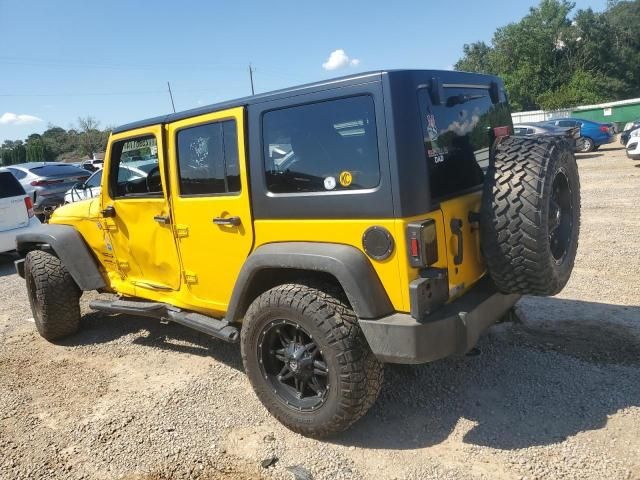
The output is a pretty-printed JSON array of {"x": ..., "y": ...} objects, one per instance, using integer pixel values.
[
  {"x": 53, "y": 294},
  {"x": 359, "y": 371},
  {"x": 514, "y": 215}
]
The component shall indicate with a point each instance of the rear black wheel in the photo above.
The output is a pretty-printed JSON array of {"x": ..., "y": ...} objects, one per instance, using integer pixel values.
[
  {"x": 307, "y": 358},
  {"x": 294, "y": 365}
]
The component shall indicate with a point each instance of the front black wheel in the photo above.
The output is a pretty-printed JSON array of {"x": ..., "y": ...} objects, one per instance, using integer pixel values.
[
  {"x": 53, "y": 295},
  {"x": 307, "y": 359}
]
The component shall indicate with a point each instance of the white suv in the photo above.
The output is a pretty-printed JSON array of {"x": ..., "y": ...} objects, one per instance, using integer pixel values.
[{"x": 16, "y": 211}]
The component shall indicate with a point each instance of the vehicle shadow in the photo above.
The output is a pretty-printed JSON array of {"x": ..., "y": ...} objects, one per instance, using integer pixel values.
[
  {"x": 558, "y": 373},
  {"x": 100, "y": 328},
  {"x": 584, "y": 156},
  {"x": 6, "y": 264}
]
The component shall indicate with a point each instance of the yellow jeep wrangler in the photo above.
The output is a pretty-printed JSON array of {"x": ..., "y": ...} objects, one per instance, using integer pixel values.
[{"x": 329, "y": 228}]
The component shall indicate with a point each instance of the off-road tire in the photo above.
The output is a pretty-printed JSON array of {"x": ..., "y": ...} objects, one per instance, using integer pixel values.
[
  {"x": 514, "y": 222},
  {"x": 53, "y": 295},
  {"x": 356, "y": 375}
]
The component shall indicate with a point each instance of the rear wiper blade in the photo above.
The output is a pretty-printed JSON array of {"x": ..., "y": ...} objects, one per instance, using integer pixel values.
[{"x": 460, "y": 99}]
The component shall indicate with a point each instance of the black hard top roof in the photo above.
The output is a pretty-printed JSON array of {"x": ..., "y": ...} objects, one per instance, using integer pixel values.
[{"x": 359, "y": 78}]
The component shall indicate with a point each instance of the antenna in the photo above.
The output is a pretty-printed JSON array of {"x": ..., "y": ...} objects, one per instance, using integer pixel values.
[
  {"x": 251, "y": 78},
  {"x": 171, "y": 96}
]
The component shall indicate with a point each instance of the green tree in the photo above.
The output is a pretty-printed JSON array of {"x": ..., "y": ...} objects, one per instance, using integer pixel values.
[
  {"x": 91, "y": 138},
  {"x": 549, "y": 59}
]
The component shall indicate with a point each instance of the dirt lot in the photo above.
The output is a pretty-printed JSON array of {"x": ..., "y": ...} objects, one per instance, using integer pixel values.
[{"x": 556, "y": 395}]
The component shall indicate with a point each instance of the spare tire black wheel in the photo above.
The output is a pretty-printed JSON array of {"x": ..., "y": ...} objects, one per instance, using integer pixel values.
[{"x": 530, "y": 216}]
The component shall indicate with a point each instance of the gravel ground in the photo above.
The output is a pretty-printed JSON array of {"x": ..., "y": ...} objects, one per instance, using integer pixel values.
[{"x": 555, "y": 395}]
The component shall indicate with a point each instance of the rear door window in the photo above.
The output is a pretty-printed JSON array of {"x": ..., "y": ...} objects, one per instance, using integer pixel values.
[
  {"x": 208, "y": 159},
  {"x": 458, "y": 134},
  {"x": 9, "y": 186},
  {"x": 325, "y": 146}
]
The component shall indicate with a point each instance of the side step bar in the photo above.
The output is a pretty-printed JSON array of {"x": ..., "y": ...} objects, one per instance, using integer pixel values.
[{"x": 218, "y": 328}]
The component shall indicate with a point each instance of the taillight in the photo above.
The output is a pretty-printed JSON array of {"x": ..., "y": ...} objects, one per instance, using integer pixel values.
[
  {"x": 604, "y": 128},
  {"x": 422, "y": 243},
  {"x": 29, "y": 204},
  {"x": 500, "y": 132},
  {"x": 44, "y": 183}
]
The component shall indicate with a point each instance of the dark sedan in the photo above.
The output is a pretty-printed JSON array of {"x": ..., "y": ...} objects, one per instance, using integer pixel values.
[
  {"x": 570, "y": 134},
  {"x": 47, "y": 183}
]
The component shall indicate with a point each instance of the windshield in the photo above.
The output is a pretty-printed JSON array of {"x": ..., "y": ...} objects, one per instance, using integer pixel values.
[{"x": 95, "y": 179}]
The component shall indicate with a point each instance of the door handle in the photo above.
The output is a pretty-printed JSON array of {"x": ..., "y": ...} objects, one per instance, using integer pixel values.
[
  {"x": 162, "y": 219},
  {"x": 233, "y": 221},
  {"x": 456, "y": 229},
  {"x": 108, "y": 212}
]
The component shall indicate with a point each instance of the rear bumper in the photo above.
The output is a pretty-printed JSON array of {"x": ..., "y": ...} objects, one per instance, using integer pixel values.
[
  {"x": 53, "y": 200},
  {"x": 453, "y": 329},
  {"x": 604, "y": 141}
]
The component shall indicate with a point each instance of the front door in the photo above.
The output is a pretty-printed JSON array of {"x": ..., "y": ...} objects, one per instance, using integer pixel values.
[
  {"x": 136, "y": 212},
  {"x": 213, "y": 224}
]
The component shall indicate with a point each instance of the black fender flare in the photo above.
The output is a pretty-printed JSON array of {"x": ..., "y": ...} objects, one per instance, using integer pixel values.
[
  {"x": 69, "y": 246},
  {"x": 351, "y": 268}
]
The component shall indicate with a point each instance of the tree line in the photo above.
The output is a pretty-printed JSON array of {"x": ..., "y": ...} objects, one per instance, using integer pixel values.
[
  {"x": 57, "y": 144},
  {"x": 553, "y": 58}
]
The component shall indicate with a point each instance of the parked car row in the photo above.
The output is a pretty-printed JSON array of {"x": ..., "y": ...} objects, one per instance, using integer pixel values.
[
  {"x": 590, "y": 135},
  {"x": 47, "y": 183},
  {"x": 571, "y": 134}
]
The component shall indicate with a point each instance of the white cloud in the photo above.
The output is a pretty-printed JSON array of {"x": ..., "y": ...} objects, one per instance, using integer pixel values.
[
  {"x": 339, "y": 59},
  {"x": 9, "y": 118},
  {"x": 466, "y": 125}
]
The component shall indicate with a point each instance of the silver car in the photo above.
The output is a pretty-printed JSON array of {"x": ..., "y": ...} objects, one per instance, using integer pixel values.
[
  {"x": 91, "y": 188},
  {"x": 47, "y": 183}
]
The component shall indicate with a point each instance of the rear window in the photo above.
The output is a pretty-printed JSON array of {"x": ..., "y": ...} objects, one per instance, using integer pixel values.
[
  {"x": 320, "y": 147},
  {"x": 53, "y": 170},
  {"x": 458, "y": 134},
  {"x": 9, "y": 186}
]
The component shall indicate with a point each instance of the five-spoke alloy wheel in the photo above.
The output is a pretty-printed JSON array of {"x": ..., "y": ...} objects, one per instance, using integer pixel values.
[{"x": 307, "y": 358}]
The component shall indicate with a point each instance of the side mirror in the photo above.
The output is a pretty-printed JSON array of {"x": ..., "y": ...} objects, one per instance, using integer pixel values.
[{"x": 80, "y": 186}]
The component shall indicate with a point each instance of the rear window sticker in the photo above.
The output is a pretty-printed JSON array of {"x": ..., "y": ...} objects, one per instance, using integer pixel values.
[
  {"x": 345, "y": 178},
  {"x": 432, "y": 130}
]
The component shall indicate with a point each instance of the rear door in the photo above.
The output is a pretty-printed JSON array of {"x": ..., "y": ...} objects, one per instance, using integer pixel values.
[
  {"x": 13, "y": 209},
  {"x": 458, "y": 134},
  {"x": 213, "y": 223}
]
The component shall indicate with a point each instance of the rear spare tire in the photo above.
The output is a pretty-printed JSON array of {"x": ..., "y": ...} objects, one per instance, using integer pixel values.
[
  {"x": 530, "y": 216},
  {"x": 53, "y": 295}
]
